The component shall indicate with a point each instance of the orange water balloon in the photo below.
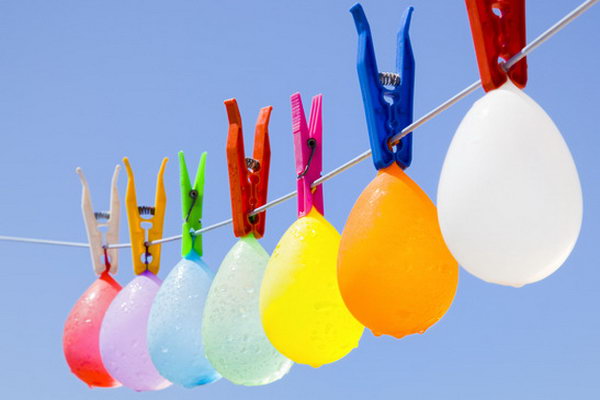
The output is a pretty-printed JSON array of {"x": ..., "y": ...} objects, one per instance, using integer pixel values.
[{"x": 395, "y": 272}]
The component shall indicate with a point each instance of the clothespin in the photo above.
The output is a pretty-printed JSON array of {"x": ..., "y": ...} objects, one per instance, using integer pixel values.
[
  {"x": 498, "y": 29},
  {"x": 103, "y": 258},
  {"x": 191, "y": 206},
  {"x": 248, "y": 177},
  {"x": 308, "y": 148},
  {"x": 146, "y": 256},
  {"x": 387, "y": 96}
]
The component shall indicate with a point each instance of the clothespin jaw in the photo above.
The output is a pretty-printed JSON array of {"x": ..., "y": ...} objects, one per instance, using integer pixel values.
[
  {"x": 146, "y": 257},
  {"x": 248, "y": 177},
  {"x": 103, "y": 258},
  {"x": 308, "y": 149},
  {"x": 387, "y": 97},
  {"x": 191, "y": 206},
  {"x": 498, "y": 29}
]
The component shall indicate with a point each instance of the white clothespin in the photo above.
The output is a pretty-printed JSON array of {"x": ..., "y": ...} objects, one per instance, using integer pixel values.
[{"x": 96, "y": 220}]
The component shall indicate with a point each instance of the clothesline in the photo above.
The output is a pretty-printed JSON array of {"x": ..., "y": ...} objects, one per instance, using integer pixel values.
[{"x": 553, "y": 30}]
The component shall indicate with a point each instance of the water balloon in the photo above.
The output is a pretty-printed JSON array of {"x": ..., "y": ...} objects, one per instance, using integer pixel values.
[
  {"x": 82, "y": 333},
  {"x": 233, "y": 335},
  {"x": 123, "y": 343},
  {"x": 302, "y": 310},
  {"x": 394, "y": 270},
  {"x": 174, "y": 326},
  {"x": 509, "y": 196}
]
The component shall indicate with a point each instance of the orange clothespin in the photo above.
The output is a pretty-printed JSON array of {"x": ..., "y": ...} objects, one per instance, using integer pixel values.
[
  {"x": 498, "y": 29},
  {"x": 145, "y": 257},
  {"x": 248, "y": 177}
]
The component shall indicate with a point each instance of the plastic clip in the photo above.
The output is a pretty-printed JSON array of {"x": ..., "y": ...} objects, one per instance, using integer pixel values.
[
  {"x": 387, "y": 97},
  {"x": 103, "y": 258},
  {"x": 248, "y": 177},
  {"x": 143, "y": 258},
  {"x": 498, "y": 30},
  {"x": 191, "y": 206},
  {"x": 308, "y": 149}
]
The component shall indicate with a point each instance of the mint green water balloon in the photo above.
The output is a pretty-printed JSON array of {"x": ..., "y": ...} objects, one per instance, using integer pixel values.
[{"x": 234, "y": 339}]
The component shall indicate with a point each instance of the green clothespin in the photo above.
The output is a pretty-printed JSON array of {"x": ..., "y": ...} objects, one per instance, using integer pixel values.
[{"x": 191, "y": 205}]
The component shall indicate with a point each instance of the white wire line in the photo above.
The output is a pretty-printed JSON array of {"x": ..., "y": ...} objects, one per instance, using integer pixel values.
[
  {"x": 554, "y": 29},
  {"x": 436, "y": 111},
  {"x": 534, "y": 44},
  {"x": 42, "y": 241}
]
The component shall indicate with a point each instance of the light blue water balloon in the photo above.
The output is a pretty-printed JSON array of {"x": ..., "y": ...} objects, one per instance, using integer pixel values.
[{"x": 174, "y": 340}]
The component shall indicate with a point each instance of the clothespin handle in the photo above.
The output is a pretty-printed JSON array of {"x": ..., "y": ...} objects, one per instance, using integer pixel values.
[
  {"x": 191, "y": 206},
  {"x": 308, "y": 149},
  {"x": 102, "y": 258},
  {"x": 146, "y": 257},
  {"x": 248, "y": 177},
  {"x": 388, "y": 109},
  {"x": 498, "y": 30}
]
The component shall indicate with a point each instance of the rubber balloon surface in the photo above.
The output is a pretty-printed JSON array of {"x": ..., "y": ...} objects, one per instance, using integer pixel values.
[
  {"x": 302, "y": 310},
  {"x": 123, "y": 343},
  {"x": 175, "y": 323},
  {"x": 395, "y": 272},
  {"x": 509, "y": 196},
  {"x": 81, "y": 337},
  {"x": 232, "y": 331}
]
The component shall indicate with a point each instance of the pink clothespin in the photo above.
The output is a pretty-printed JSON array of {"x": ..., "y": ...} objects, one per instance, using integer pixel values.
[{"x": 308, "y": 148}]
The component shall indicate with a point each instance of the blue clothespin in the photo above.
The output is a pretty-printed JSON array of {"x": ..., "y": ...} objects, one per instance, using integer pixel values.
[{"x": 387, "y": 97}]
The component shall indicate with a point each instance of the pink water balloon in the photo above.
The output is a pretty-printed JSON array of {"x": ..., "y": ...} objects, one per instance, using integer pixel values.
[{"x": 82, "y": 332}]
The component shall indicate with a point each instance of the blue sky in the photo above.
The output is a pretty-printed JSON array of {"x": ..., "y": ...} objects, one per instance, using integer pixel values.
[{"x": 86, "y": 83}]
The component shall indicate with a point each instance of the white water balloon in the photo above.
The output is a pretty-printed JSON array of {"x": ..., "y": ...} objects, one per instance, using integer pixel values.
[{"x": 509, "y": 198}]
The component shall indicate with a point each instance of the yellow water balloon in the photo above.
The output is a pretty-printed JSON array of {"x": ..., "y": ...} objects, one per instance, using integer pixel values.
[{"x": 302, "y": 310}]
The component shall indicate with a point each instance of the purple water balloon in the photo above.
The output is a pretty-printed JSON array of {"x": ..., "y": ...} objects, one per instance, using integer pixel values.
[{"x": 123, "y": 343}]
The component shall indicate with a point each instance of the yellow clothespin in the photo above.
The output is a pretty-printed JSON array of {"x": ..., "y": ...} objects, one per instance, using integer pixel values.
[{"x": 146, "y": 257}]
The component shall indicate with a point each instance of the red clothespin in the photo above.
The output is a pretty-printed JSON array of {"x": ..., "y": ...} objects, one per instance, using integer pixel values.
[
  {"x": 248, "y": 177},
  {"x": 308, "y": 146},
  {"x": 498, "y": 29}
]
